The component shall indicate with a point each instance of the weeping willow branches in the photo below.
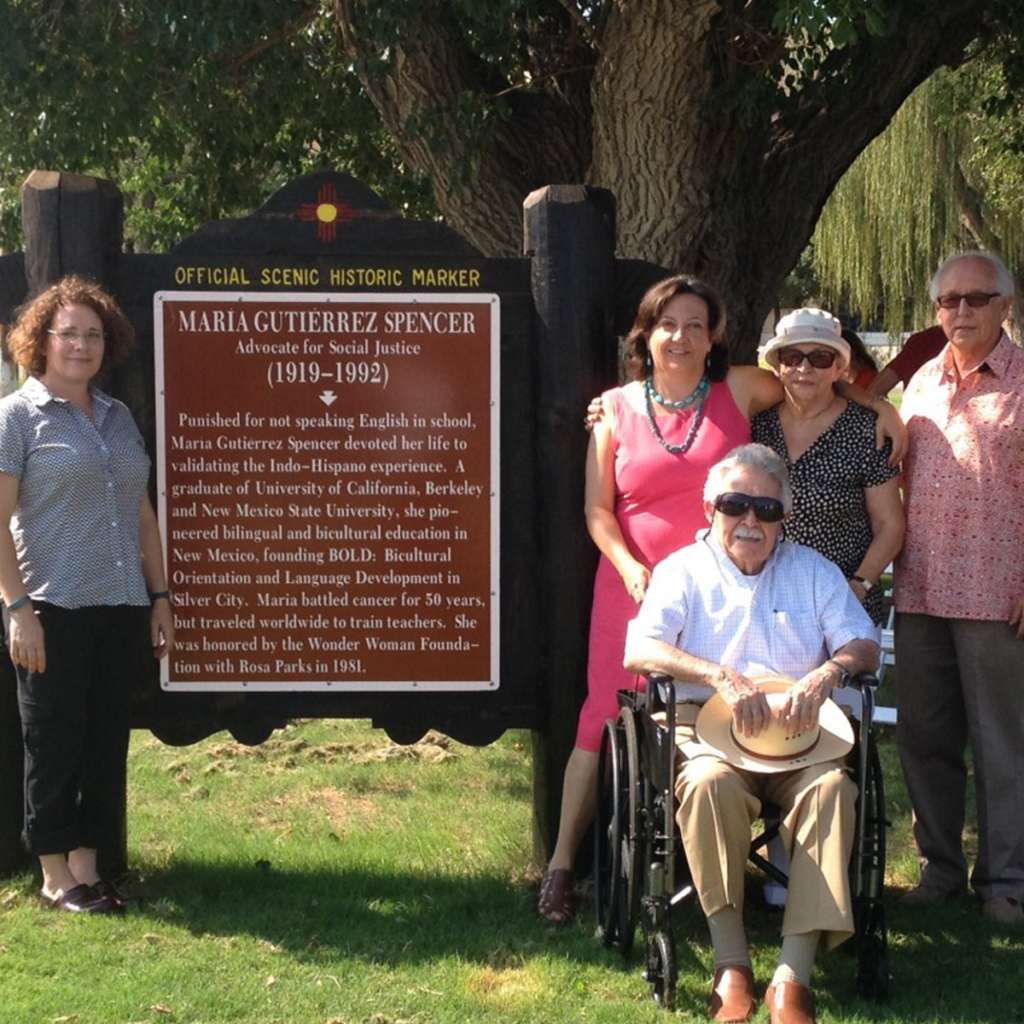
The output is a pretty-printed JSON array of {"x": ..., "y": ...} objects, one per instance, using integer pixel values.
[{"x": 921, "y": 190}]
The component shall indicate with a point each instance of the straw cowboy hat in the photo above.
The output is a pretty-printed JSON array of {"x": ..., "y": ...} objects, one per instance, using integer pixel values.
[{"x": 770, "y": 751}]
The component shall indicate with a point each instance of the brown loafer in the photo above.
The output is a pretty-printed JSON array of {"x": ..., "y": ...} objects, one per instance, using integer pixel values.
[
  {"x": 732, "y": 994},
  {"x": 925, "y": 895},
  {"x": 789, "y": 1002},
  {"x": 1004, "y": 910}
]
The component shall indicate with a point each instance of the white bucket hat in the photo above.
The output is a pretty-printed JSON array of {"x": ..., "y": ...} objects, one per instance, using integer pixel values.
[
  {"x": 808, "y": 326},
  {"x": 770, "y": 750}
]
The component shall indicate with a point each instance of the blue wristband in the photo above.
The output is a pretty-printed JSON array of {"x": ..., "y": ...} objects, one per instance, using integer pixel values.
[{"x": 20, "y": 603}]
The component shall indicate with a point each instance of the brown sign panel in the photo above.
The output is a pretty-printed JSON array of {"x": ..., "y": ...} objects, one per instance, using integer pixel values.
[{"x": 328, "y": 474}]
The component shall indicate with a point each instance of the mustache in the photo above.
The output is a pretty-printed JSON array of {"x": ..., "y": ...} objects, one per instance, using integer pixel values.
[{"x": 748, "y": 533}]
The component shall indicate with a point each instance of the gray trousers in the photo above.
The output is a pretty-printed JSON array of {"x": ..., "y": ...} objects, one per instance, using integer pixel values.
[{"x": 962, "y": 680}]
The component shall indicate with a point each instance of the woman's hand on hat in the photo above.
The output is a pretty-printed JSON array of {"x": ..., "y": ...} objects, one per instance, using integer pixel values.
[{"x": 748, "y": 704}]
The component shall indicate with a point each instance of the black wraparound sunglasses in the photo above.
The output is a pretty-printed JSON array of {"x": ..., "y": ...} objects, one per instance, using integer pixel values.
[{"x": 767, "y": 510}]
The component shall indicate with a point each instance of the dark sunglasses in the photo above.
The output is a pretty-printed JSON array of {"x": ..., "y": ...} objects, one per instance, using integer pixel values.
[
  {"x": 767, "y": 510},
  {"x": 974, "y": 299},
  {"x": 819, "y": 358}
]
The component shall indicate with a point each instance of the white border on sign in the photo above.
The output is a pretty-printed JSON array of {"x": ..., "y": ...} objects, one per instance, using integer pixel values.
[{"x": 345, "y": 686}]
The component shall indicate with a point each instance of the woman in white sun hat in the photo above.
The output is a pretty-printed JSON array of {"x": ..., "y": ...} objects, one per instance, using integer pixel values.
[{"x": 846, "y": 501}]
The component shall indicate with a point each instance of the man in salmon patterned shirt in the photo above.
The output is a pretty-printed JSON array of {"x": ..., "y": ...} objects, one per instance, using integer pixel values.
[{"x": 959, "y": 593}]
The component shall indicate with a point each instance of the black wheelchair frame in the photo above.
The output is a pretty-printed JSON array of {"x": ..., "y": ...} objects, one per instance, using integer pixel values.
[{"x": 639, "y": 856}]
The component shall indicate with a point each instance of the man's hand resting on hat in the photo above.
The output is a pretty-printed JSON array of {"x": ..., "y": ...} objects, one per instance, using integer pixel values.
[
  {"x": 799, "y": 711},
  {"x": 748, "y": 704}
]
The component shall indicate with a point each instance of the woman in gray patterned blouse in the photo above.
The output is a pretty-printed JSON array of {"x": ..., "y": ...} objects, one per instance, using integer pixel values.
[{"x": 81, "y": 571}]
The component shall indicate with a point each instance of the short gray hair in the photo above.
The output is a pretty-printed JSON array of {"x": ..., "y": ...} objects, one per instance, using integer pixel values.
[
  {"x": 1004, "y": 279},
  {"x": 752, "y": 456}
]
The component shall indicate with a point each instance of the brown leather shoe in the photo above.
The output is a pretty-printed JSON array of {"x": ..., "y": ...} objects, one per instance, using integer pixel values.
[
  {"x": 1004, "y": 910},
  {"x": 732, "y": 994},
  {"x": 789, "y": 1002},
  {"x": 925, "y": 895}
]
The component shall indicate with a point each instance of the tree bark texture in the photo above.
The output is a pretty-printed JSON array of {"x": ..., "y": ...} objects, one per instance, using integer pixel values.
[{"x": 720, "y": 141}]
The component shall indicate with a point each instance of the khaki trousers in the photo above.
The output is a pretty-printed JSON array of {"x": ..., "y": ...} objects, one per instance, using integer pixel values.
[{"x": 718, "y": 805}]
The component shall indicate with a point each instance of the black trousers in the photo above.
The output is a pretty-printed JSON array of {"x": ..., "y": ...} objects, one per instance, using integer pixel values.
[{"x": 75, "y": 721}]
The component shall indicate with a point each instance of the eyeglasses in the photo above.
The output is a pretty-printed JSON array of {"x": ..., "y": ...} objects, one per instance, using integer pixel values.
[
  {"x": 71, "y": 335},
  {"x": 973, "y": 299},
  {"x": 767, "y": 510},
  {"x": 819, "y": 358}
]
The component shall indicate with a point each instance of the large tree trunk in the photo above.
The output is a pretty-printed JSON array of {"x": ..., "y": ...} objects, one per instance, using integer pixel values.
[
  {"x": 480, "y": 190},
  {"x": 720, "y": 146}
]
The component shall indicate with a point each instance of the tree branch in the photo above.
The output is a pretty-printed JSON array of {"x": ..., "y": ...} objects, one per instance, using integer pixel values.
[
  {"x": 812, "y": 142},
  {"x": 971, "y": 212},
  {"x": 282, "y": 35},
  {"x": 576, "y": 17},
  {"x": 421, "y": 96}
]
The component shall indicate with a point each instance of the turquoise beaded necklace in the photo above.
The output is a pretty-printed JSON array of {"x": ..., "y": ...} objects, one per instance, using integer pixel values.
[
  {"x": 698, "y": 392},
  {"x": 699, "y": 395}
]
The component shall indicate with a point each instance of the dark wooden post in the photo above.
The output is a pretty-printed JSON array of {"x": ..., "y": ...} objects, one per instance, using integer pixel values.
[
  {"x": 569, "y": 233},
  {"x": 72, "y": 224},
  {"x": 12, "y": 854}
]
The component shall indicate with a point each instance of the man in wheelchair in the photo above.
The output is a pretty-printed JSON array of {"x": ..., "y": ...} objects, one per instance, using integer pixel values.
[{"x": 741, "y": 603}]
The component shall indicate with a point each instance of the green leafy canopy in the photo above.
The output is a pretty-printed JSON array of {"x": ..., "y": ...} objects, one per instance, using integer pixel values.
[{"x": 195, "y": 110}]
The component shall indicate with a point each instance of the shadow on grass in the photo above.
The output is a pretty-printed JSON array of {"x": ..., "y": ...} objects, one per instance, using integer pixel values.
[
  {"x": 947, "y": 962},
  {"x": 382, "y": 917}
]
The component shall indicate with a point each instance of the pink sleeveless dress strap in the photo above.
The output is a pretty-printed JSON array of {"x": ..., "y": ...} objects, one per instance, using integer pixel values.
[{"x": 659, "y": 507}]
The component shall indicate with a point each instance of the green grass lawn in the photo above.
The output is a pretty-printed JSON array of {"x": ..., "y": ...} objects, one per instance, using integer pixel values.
[{"x": 331, "y": 876}]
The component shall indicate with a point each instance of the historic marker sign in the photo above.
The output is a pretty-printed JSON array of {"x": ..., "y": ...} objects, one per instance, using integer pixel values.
[{"x": 328, "y": 484}]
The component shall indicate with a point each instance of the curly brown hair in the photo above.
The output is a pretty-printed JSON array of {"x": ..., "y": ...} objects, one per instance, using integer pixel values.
[
  {"x": 653, "y": 304},
  {"x": 27, "y": 340}
]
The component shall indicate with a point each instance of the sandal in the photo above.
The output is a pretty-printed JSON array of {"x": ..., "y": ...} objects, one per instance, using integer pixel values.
[{"x": 557, "y": 902}]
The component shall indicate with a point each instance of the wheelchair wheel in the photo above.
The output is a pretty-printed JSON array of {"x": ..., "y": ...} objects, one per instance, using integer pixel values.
[
  {"x": 662, "y": 972},
  {"x": 873, "y": 967},
  {"x": 871, "y": 940},
  {"x": 608, "y": 834},
  {"x": 633, "y": 840}
]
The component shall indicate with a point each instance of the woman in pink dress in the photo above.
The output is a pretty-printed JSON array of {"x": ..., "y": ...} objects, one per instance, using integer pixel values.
[
  {"x": 649, "y": 455},
  {"x": 650, "y": 452}
]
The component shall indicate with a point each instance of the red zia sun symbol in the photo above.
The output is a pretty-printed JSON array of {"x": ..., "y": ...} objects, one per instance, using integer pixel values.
[{"x": 327, "y": 212}]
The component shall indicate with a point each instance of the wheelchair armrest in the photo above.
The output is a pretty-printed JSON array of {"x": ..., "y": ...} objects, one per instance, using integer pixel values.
[
  {"x": 865, "y": 683},
  {"x": 862, "y": 680},
  {"x": 661, "y": 688}
]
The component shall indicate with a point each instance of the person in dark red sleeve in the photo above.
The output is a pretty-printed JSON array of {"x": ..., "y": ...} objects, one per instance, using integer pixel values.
[{"x": 917, "y": 350}]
